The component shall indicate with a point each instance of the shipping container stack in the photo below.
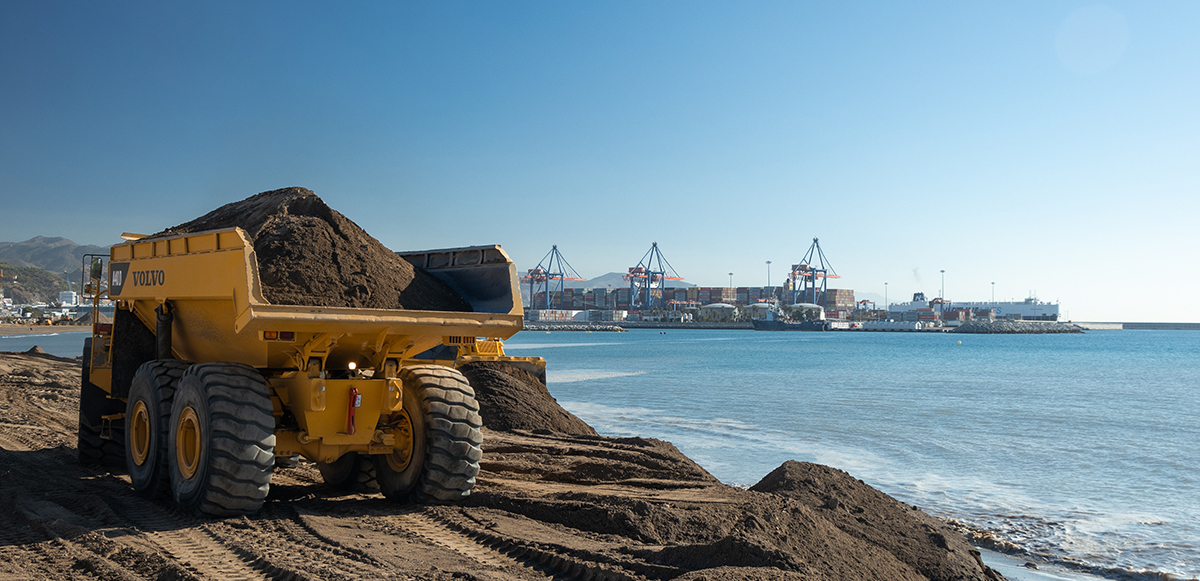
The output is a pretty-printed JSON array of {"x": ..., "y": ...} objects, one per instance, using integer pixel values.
[
  {"x": 839, "y": 299},
  {"x": 622, "y": 301}
]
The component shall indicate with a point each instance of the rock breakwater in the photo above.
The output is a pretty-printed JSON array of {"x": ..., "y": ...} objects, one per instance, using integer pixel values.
[{"x": 1016, "y": 327}]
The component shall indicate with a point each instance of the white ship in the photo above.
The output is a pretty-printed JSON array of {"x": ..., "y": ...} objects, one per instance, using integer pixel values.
[{"x": 1030, "y": 309}]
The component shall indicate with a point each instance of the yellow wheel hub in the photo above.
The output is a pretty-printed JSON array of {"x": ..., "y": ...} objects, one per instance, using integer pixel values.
[
  {"x": 187, "y": 442},
  {"x": 402, "y": 453},
  {"x": 139, "y": 433}
]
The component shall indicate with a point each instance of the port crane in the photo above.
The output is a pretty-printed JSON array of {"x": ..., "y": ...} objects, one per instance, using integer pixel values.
[
  {"x": 810, "y": 275},
  {"x": 548, "y": 277},
  {"x": 648, "y": 278}
]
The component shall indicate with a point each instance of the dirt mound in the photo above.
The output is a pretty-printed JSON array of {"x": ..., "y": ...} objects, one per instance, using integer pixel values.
[
  {"x": 513, "y": 399},
  {"x": 684, "y": 522},
  {"x": 913, "y": 537},
  {"x": 310, "y": 254},
  {"x": 644, "y": 462},
  {"x": 748, "y": 574}
]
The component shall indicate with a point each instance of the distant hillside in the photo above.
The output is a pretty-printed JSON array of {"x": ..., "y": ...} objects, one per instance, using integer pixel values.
[
  {"x": 54, "y": 254},
  {"x": 30, "y": 284},
  {"x": 612, "y": 280},
  {"x": 617, "y": 280}
]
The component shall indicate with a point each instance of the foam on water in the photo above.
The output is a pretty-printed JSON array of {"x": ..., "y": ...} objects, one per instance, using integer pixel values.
[
  {"x": 553, "y": 377},
  {"x": 544, "y": 346}
]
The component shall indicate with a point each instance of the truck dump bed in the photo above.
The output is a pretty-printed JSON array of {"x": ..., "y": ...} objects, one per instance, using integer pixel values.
[{"x": 211, "y": 280}]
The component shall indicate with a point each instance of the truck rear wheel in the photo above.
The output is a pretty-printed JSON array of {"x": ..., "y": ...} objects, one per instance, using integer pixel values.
[
  {"x": 221, "y": 440},
  {"x": 93, "y": 404},
  {"x": 442, "y": 417},
  {"x": 147, "y": 416},
  {"x": 353, "y": 472}
]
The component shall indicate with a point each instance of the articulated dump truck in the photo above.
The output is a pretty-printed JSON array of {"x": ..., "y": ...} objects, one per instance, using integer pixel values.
[{"x": 200, "y": 387}]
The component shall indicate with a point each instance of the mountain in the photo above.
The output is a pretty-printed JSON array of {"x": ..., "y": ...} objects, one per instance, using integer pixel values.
[
  {"x": 612, "y": 281},
  {"x": 29, "y": 284},
  {"x": 616, "y": 280},
  {"x": 41, "y": 262},
  {"x": 54, "y": 254}
]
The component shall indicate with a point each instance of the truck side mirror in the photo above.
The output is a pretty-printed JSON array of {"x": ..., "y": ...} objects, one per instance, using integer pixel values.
[{"x": 97, "y": 269}]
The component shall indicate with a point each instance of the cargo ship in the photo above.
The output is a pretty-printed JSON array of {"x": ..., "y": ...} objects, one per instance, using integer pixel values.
[
  {"x": 1030, "y": 309},
  {"x": 776, "y": 321}
]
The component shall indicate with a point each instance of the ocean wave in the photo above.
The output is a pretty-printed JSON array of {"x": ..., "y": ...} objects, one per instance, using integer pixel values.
[
  {"x": 28, "y": 335},
  {"x": 573, "y": 376},
  {"x": 523, "y": 346},
  {"x": 1081, "y": 540}
]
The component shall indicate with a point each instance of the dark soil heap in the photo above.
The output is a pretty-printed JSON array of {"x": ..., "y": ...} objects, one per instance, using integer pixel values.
[
  {"x": 917, "y": 539},
  {"x": 310, "y": 254},
  {"x": 513, "y": 399}
]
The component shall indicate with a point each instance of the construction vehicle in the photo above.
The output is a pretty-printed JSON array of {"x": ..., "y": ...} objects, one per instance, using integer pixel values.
[{"x": 199, "y": 386}]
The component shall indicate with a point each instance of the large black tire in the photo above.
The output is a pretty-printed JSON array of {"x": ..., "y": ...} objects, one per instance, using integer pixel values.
[
  {"x": 353, "y": 472},
  {"x": 222, "y": 440},
  {"x": 93, "y": 405},
  {"x": 147, "y": 417},
  {"x": 443, "y": 416}
]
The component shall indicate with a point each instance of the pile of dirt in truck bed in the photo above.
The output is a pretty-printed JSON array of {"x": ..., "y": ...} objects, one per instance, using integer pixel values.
[
  {"x": 310, "y": 254},
  {"x": 513, "y": 399}
]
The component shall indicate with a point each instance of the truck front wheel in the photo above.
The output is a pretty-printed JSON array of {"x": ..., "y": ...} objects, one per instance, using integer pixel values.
[
  {"x": 221, "y": 440},
  {"x": 439, "y": 458}
]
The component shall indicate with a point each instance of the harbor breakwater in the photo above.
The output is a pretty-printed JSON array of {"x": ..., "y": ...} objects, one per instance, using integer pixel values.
[{"x": 1016, "y": 327}]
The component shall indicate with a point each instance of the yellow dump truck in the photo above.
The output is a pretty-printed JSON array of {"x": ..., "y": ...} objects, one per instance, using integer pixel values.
[{"x": 200, "y": 387}]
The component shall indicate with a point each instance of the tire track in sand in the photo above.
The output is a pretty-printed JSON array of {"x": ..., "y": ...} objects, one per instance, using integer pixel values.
[
  {"x": 187, "y": 542},
  {"x": 496, "y": 550}
]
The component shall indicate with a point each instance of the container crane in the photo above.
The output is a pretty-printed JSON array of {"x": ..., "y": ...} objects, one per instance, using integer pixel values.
[
  {"x": 549, "y": 276},
  {"x": 810, "y": 275},
  {"x": 648, "y": 278}
]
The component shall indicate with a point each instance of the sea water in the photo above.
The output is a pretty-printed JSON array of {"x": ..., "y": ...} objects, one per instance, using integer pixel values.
[{"x": 1081, "y": 448}]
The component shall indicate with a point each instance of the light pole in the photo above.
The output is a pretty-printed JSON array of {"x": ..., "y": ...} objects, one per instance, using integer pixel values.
[
  {"x": 885, "y": 303},
  {"x": 731, "y": 283},
  {"x": 943, "y": 291},
  {"x": 993, "y": 292},
  {"x": 768, "y": 273}
]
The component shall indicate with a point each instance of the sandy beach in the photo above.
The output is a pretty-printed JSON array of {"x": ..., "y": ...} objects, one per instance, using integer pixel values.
[
  {"x": 547, "y": 504},
  {"x": 6, "y": 329}
]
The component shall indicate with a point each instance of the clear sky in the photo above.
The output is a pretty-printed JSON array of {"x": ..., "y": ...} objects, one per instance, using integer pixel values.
[{"x": 1044, "y": 146}]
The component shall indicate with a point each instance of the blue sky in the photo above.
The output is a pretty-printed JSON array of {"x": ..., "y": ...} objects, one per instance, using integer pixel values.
[{"x": 1046, "y": 146}]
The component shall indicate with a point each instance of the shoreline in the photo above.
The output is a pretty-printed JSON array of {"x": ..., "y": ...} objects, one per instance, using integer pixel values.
[
  {"x": 1013, "y": 565},
  {"x": 42, "y": 329}
]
